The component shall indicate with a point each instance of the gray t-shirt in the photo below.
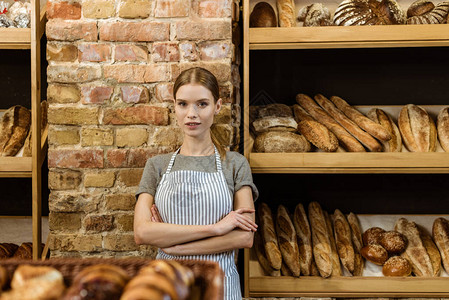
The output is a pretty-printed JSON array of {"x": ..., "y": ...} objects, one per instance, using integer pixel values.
[{"x": 235, "y": 169}]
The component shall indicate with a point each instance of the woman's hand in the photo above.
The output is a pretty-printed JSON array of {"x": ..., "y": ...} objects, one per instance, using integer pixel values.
[
  {"x": 155, "y": 216},
  {"x": 236, "y": 219}
]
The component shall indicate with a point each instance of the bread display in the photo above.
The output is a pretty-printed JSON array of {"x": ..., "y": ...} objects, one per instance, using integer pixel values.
[
  {"x": 372, "y": 236},
  {"x": 280, "y": 141},
  {"x": 286, "y": 13},
  {"x": 336, "y": 268},
  {"x": 304, "y": 239},
  {"x": 393, "y": 241},
  {"x": 287, "y": 241},
  {"x": 343, "y": 240},
  {"x": 368, "y": 12},
  {"x": 397, "y": 266},
  {"x": 263, "y": 15},
  {"x": 14, "y": 128},
  {"x": 417, "y": 129},
  {"x": 315, "y": 14},
  {"x": 382, "y": 118},
  {"x": 440, "y": 234},
  {"x": 425, "y": 12},
  {"x": 443, "y": 128},
  {"x": 270, "y": 240}
]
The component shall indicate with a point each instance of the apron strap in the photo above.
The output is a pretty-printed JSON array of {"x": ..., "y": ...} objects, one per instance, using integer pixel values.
[
  {"x": 217, "y": 160},
  {"x": 172, "y": 160}
]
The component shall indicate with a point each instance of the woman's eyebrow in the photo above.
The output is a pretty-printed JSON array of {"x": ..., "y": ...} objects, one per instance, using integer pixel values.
[{"x": 202, "y": 99}]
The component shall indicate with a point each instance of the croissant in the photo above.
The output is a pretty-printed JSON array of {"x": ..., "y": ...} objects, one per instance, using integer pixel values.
[
  {"x": 368, "y": 12},
  {"x": 425, "y": 12}
]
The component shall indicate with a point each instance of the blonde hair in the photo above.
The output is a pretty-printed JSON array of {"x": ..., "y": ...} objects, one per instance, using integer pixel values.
[{"x": 205, "y": 78}]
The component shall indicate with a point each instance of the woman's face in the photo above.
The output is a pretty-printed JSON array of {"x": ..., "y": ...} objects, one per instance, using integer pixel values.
[{"x": 195, "y": 109}]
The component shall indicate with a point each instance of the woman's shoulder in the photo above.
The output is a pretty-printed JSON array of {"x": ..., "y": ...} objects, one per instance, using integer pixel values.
[{"x": 235, "y": 158}]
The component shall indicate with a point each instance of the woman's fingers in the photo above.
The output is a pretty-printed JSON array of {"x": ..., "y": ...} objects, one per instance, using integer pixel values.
[{"x": 248, "y": 223}]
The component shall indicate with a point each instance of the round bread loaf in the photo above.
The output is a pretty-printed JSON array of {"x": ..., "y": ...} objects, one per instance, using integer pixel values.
[
  {"x": 425, "y": 12},
  {"x": 372, "y": 236},
  {"x": 396, "y": 266},
  {"x": 262, "y": 16},
  {"x": 443, "y": 128},
  {"x": 394, "y": 242},
  {"x": 375, "y": 254},
  {"x": 281, "y": 141},
  {"x": 315, "y": 14},
  {"x": 368, "y": 12}
]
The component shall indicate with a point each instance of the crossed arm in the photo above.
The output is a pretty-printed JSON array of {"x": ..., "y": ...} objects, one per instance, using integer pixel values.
[{"x": 232, "y": 232}]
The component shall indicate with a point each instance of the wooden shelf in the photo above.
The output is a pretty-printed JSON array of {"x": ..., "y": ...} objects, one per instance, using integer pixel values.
[{"x": 349, "y": 37}]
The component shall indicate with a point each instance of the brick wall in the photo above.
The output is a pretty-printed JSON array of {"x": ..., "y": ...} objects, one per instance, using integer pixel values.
[{"x": 110, "y": 77}]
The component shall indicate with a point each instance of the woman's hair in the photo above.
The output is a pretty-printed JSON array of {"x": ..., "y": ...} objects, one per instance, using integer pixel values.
[{"x": 205, "y": 78}]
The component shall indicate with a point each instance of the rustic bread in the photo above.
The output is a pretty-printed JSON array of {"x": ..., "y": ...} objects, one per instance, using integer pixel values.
[
  {"x": 315, "y": 14},
  {"x": 368, "y": 12},
  {"x": 343, "y": 240},
  {"x": 278, "y": 110},
  {"x": 336, "y": 268},
  {"x": 274, "y": 124},
  {"x": 443, "y": 128},
  {"x": 261, "y": 256},
  {"x": 425, "y": 12},
  {"x": 356, "y": 231},
  {"x": 359, "y": 264},
  {"x": 417, "y": 129},
  {"x": 344, "y": 137},
  {"x": 415, "y": 251},
  {"x": 281, "y": 141},
  {"x": 366, "y": 139},
  {"x": 287, "y": 240},
  {"x": 393, "y": 241},
  {"x": 286, "y": 13},
  {"x": 382, "y": 118},
  {"x": 372, "y": 236},
  {"x": 14, "y": 128},
  {"x": 397, "y": 266},
  {"x": 270, "y": 241},
  {"x": 285, "y": 271},
  {"x": 432, "y": 250},
  {"x": 375, "y": 253},
  {"x": 315, "y": 132},
  {"x": 304, "y": 239},
  {"x": 440, "y": 233},
  {"x": 25, "y": 251},
  {"x": 322, "y": 251},
  {"x": 263, "y": 15}
]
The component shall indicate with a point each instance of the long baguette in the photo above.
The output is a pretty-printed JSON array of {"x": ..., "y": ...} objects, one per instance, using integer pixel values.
[
  {"x": 287, "y": 241},
  {"x": 440, "y": 233},
  {"x": 322, "y": 252},
  {"x": 336, "y": 269},
  {"x": 357, "y": 117},
  {"x": 382, "y": 118},
  {"x": 432, "y": 250},
  {"x": 343, "y": 241},
  {"x": 269, "y": 236},
  {"x": 367, "y": 140},
  {"x": 261, "y": 256},
  {"x": 304, "y": 238},
  {"x": 356, "y": 234},
  {"x": 345, "y": 138}
]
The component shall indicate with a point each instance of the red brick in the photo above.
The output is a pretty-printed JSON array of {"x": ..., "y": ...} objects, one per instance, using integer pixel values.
[
  {"x": 135, "y": 32},
  {"x": 138, "y": 73},
  {"x": 84, "y": 158},
  {"x": 221, "y": 70},
  {"x": 95, "y": 94},
  {"x": 63, "y": 30},
  {"x": 129, "y": 158},
  {"x": 124, "y": 52},
  {"x": 213, "y": 8},
  {"x": 144, "y": 115},
  {"x": 99, "y": 223},
  {"x": 167, "y": 51},
  {"x": 135, "y": 94},
  {"x": 171, "y": 8},
  {"x": 164, "y": 92},
  {"x": 203, "y": 30},
  {"x": 188, "y": 51},
  {"x": 214, "y": 50},
  {"x": 63, "y": 10},
  {"x": 72, "y": 73},
  {"x": 94, "y": 52}
]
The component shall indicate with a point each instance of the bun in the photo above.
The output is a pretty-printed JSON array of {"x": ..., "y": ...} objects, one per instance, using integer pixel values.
[
  {"x": 375, "y": 253},
  {"x": 286, "y": 12},
  {"x": 287, "y": 241},
  {"x": 304, "y": 238},
  {"x": 396, "y": 266},
  {"x": 272, "y": 251},
  {"x": 382, "y": 118},
  {"x": 263, "y": 15},
  {"x": 343, "y": 241},
  {"x": 372, "y": 236},
  {"x": 443, "y": 128},
  {"x": 440, "y": 233},
  {"x": 425, "y": 12},
  {"x": 394, "y": 242},
  {"x": 368, "y": 12},
  {"x": 281, "y": 141},
  {"x": 315, "y": 14},
  {"x": 417, "y": 129}
]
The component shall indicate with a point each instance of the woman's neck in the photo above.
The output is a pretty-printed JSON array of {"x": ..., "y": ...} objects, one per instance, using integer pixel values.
[{"x": 194, "y": 147}]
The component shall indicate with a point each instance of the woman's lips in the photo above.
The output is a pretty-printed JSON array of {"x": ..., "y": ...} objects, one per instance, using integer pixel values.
[{"x": 192, "y": 125}]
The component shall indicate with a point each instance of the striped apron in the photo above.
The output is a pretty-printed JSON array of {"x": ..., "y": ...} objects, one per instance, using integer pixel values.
[{"x": 188, "y": 197}]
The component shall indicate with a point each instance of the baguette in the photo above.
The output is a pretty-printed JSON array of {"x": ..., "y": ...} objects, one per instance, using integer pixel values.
[
  {"x": 356, "y": 231},
  {"x": 269, "y": 236},
  {"x": 432, "y": 250},
  {"x": 287, "y": 241},
  {"x": 357, "y": 117},
  {"x": 322, "y": 252},
  {"x": 345, "y": 138},
  {"x": 382, "y": 118},
  {"x": 286, "y": 13},
  {"x": 304, "y": 238},
  {"x": 443, "y": 128},
  {"x": 315, "y": 132},
  {"x": 367, "y": 140},
  {"x": 359, "y": 264},
  {"x": 336, "y": 269},
  {"x": 415, "y": 251},
  {"x": 343, "y": 241},
  {"x": 14, "y": 127},
  {"x": 285, "y": 271},
  {"x": 261, "y": 257},
  {"x": 315, "y": 271},
  {"x": 440, "y": 233}
]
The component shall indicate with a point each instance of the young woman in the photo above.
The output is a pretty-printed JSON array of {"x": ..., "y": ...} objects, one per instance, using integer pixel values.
[{"x": 197, "y": 203}]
